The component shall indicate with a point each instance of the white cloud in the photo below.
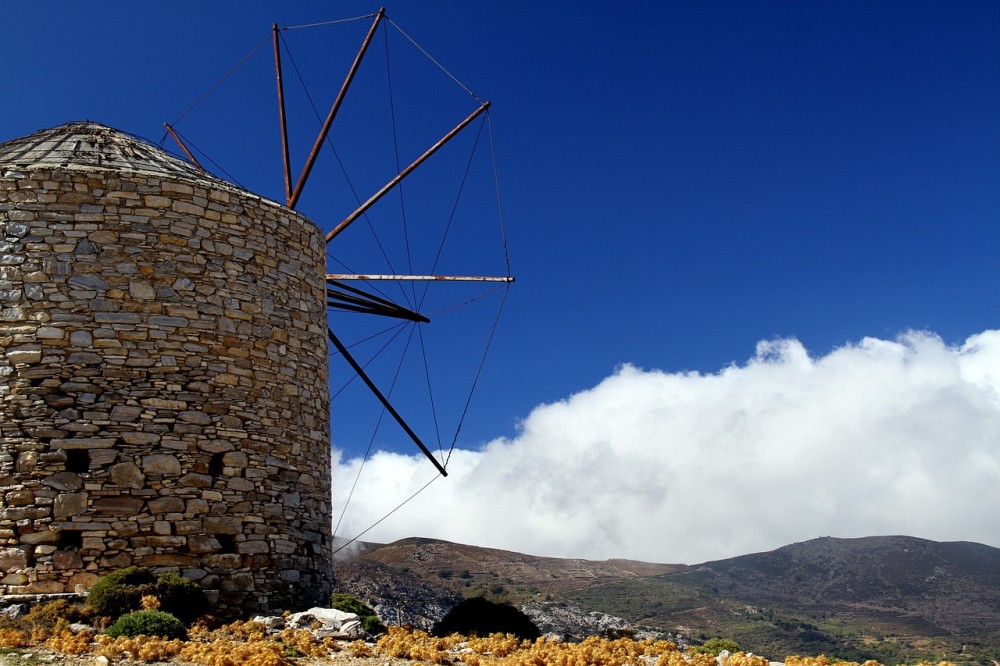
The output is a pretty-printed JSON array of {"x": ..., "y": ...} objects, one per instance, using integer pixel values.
[{"x": 878, "y": 437}]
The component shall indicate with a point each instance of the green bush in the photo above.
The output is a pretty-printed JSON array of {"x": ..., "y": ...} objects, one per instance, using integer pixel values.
[
  {"x": 148, "y": 623},
  {"x": 351, "y": 604},
  {"x": 120, "y": 591},
  {"x": 480, "y": 617},
  {"x": 714, "y": 646},
  {"x": 180, "y": 597}
]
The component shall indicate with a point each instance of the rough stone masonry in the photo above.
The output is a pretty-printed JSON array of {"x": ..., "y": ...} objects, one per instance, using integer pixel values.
[{"x": 163, "y": 376}]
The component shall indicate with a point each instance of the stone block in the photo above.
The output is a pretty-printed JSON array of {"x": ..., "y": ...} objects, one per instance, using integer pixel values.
[
  {"x": 84, "y": 443},
  {"x": 252, "y": 547},
  {"x": 63, "y": 481},
  {"x": 12, "y": 559},
  {"x": 65, "y": 559},
  {"x": 203, "y": 544},
  {"x": 161, "y": 463},
  {"x": 118, "y": 506},
  {"x": 166, "y": 560},
  {"x": 24, "y": 354},
  {"x": 40, "y": 536},
  {"x": 127, "y": 475},
  {"x": 70, "y": 504},
  {"x": 222, "y": 525},
  {"x": 162, "y": 505},
  {"x": 140, "y": 438},
  {"x": 20, "y": 498}
]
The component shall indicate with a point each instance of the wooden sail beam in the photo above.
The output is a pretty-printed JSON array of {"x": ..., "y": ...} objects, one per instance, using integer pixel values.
[
  {"x": 424, "y": 278},
  {"x": 404, "y": 173},
  {"x": 385, "y": 402},
  {"x": 286, "y": 161},
  {"x": 180, "y": 143},
  {"x": 314, "y": 153}
]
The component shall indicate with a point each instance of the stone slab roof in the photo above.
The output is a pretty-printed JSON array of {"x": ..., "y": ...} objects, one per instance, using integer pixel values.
[{"x": 90, "y": 146}]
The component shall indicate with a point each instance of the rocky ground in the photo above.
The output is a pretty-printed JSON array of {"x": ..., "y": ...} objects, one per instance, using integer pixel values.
[{"x": 32, "y": 657}]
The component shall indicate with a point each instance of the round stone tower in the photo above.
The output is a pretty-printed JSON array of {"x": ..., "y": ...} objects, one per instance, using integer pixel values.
[{"x": 163, "y": 376}]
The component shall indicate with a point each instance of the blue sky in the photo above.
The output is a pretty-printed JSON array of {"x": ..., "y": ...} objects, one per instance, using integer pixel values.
[{"x": 680, "y": 181}]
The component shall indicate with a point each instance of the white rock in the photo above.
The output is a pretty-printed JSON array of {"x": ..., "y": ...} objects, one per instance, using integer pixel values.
[
  {"x": 332, "y": 623},
  {"x": 353, "y": 629},
  {"x": 270, "y": 622}
]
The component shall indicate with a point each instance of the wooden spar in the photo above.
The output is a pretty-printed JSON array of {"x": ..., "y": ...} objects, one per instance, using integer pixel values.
[
  {"x": 428, "y": 278},
  {"x": 404, "y": 173},
  {"x": 381, "y": 398},
  {"x": 314, "y": 153},
  {"x": 183, "y": 147},
  {"x": 286, "y": 162}
]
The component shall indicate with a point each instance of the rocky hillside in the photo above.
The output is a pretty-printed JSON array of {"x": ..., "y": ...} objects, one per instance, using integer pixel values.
[{"x": 886, "y": 598}]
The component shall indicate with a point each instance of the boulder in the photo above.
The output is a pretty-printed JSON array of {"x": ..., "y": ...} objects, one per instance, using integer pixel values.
[{"x": 333, "y": 623}]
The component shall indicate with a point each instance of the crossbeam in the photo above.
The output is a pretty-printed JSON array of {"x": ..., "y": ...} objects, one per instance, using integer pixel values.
[{"x": 419, "y": 278}]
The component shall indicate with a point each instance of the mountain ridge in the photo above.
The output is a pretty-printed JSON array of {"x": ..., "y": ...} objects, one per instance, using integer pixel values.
[{"x": 867, "y": 597}]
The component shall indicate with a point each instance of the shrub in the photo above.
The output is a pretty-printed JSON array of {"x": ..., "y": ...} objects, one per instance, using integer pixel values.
[
  {"x": 351, "y": 604},
  {"x": 56, "y": 614},
  {"x": 714, "y": 646},
  {"x": 481, "y": 617},
  {"x": 148, "y": 623},
  {"x": 180, "y": 597},
  {"x": 120, "y": 591}
]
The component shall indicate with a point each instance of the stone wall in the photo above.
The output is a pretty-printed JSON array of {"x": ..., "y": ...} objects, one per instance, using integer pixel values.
[{"x": 163, "y": 388}]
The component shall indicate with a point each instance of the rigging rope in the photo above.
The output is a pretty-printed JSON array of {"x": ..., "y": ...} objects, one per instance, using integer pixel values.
[
  {"x": 398, "y": 329},
  {"x": 201, "y": 152},
  {"x": 322, "y": 23},
  {"x": 454, "y": 210},
  {"x": 223, "y": 80},
  {"x": 340, "y": 162},
  {"x": 399, "y": 188},
  {"x": 479, "y": 371},
  {"x": 439, "y": 65},
  {"x": 496, "y": 179},
  {"x": 378, "y": 424},
  {"x": 377, "y": 522}
]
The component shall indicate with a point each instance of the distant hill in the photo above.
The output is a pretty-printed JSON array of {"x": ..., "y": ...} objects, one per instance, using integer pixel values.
[{"x": 885, "y": 598}]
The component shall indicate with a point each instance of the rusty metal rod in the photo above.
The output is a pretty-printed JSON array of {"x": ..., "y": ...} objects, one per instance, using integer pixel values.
[
  {"x": 429, "y": 278},
  {"x": 314, "y": 153},
  {"x": 404, "y": 173},
  {"x": 286, "y": 162},
  {"x": 183, "y": 147},
  {"x": 385, "y": 402}
]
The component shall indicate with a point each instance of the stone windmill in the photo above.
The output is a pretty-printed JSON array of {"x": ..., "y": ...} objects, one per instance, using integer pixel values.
[{"x": 164, "y": 395}]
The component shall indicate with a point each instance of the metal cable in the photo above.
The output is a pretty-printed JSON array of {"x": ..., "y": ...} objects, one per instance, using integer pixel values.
[
  {"x": 201, "y": 152},
  {"x": 378, "y": 425},
  {"x": 377, "y": 522},
  {"x": 479, "y": 371},
  {"x": 454, "y": 211},
  {"x": 399, "y": 188},
  {"x": 343, "y": 170},
  {"x": 439, "y": 65},
  {"x": 496, "y": 179},
  {"x": 212, "y": 89},
  {"x": 314, "y": 25}
]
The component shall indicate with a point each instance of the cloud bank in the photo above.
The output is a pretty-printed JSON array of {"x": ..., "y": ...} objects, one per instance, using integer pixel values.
[{"x": 878, "y": 437}]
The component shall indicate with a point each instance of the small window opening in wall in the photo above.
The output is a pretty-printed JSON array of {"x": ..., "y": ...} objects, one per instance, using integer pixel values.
[
  {"x": 78, "y": 460},
  {"x": 13, "y": 459},
  {"x": 70, "y": 540},
  {"x": 215, "y": 466},
  {"x": 228, "y": 542}
]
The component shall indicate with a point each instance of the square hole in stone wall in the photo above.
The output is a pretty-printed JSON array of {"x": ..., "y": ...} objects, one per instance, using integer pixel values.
[
  {"x": 70, "y": 540},
  {"x": 78, "y": 460}
]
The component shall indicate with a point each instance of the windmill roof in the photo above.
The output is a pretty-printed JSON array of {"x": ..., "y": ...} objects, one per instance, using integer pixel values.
[{"x": 90, "y": 146}]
